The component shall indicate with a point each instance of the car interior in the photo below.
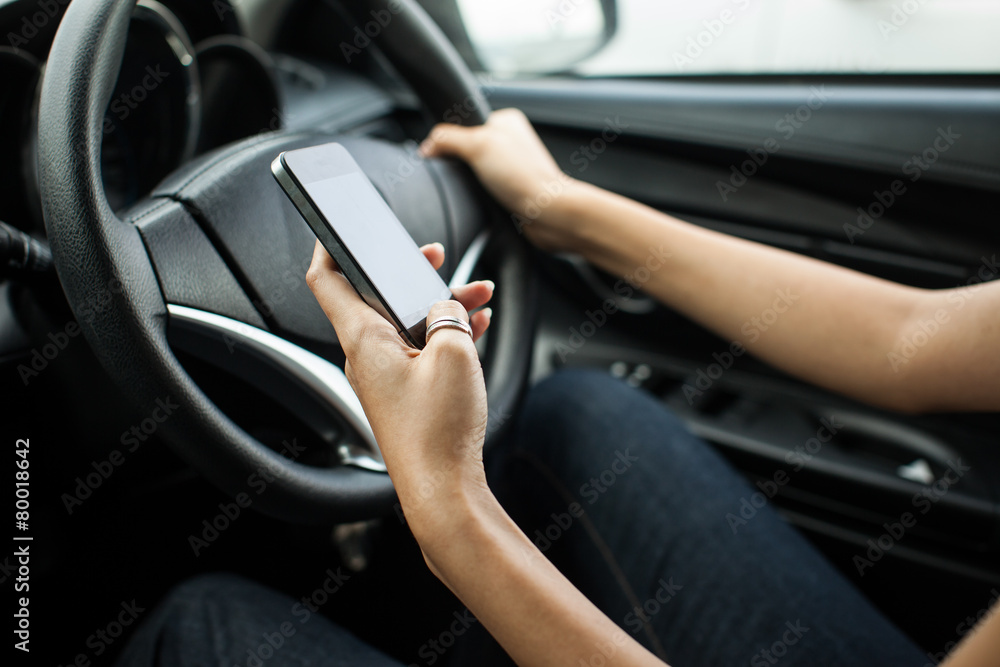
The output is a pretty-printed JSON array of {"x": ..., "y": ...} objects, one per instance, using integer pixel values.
[{"x": 183, "y": 393}]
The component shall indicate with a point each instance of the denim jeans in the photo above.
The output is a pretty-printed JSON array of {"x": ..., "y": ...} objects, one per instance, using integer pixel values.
[{"x": 639, "y": 514}]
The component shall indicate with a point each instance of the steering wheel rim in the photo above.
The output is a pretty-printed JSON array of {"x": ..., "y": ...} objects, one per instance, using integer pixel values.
[{"x": 115, "y": 292}]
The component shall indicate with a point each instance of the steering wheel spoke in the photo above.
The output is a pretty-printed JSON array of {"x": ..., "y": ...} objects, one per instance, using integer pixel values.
[{"x": 309, "y": 386}]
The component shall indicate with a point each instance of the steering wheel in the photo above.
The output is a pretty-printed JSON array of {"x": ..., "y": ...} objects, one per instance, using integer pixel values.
[{"x": 212, "y": 263}]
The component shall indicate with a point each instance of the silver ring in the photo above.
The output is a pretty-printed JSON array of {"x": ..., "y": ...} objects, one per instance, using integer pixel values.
[{"x": 447, "y": 323}]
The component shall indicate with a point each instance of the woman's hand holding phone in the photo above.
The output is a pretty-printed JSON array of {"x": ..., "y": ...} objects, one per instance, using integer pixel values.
[
  {"x": 427, "y": 407},
  {"x": 428, "y": 410}
]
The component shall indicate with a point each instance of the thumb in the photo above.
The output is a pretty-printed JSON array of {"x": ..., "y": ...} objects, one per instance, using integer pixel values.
[{"x": 448, "y": 140}]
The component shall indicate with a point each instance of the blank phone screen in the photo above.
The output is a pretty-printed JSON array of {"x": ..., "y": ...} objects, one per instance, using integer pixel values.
[{"x": 380, "y": 245}]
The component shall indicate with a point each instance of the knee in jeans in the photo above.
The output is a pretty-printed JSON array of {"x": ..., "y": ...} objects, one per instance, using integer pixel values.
[
  {"x": 571, "y": 395},
  {"x": 204, "y": 591},
  {"x": 585, "y": 412}
]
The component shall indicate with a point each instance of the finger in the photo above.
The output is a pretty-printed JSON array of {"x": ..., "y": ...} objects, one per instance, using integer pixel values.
[
  {"x": 347, "y": 311},
  {"x": 474, "y": 295},
  {"x": 434, "y": 252},
  {"x": 448, "y": 335},
  {"x": 450, "y": 140},
  {"x": 321, "y": 259},
  {"x": 480, "y": 323}
]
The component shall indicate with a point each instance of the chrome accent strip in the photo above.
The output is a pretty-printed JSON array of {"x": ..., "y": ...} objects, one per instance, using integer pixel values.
[
  {"x": 179, "y": 42},
  {"x": 325, "y": 379},
  {"x": 466, "y": 266}
]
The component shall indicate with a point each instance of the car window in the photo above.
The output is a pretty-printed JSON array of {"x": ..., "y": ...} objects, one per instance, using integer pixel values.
[{"x": 681, "y": 37}]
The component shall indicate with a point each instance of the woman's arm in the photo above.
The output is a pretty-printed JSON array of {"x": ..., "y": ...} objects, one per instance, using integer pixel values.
[
  {"x": 880, "y": 342},
  {"x": 981, "y": 647},
  {"x": 428, "y": 411},
  {"x": 528, "y": 606}
]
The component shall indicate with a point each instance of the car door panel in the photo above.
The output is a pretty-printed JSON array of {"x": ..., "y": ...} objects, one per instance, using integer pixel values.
[
  {"x": 670, "y": 144},
  {"x": 850, "y": 125}
]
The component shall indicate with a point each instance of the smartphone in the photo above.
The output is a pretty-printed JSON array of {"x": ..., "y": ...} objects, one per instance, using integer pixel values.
[{"x": 359, "y": 230}]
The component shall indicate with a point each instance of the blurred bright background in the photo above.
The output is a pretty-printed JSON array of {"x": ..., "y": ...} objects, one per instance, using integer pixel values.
[{"x": 673, "y": 37}]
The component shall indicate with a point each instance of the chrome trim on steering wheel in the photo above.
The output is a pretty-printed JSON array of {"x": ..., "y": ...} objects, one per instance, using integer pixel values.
[
  {"x": 324, "y": 379},
  {"x": 467, "y": 265}
]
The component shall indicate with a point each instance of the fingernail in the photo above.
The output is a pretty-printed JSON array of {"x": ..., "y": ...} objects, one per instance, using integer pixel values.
[
  {"x": 489, "y": 283},
  {"x": 488, "y": 312}
]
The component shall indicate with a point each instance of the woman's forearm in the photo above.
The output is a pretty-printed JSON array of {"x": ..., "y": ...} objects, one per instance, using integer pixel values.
[
  {"x": 825, "y": 324},
  {"x": 981, "y": 647},
  {"x": 534, "y": 612}
]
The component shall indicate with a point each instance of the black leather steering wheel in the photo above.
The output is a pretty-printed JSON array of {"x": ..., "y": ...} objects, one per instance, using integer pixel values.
[{"x": 213, "y": 262}]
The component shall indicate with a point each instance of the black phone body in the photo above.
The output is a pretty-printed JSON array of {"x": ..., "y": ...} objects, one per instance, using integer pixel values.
[{"x": 362, "y": 234}]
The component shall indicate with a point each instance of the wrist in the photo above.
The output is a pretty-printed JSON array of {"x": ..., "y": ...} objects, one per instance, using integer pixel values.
[
  {"x": 612, "y": 232},
  {"x": 427, "y": 486},
  {"x": 442, "y": 510},
  {"x": 552, "y": 218},
  {"x": 572, "y": 217}
]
